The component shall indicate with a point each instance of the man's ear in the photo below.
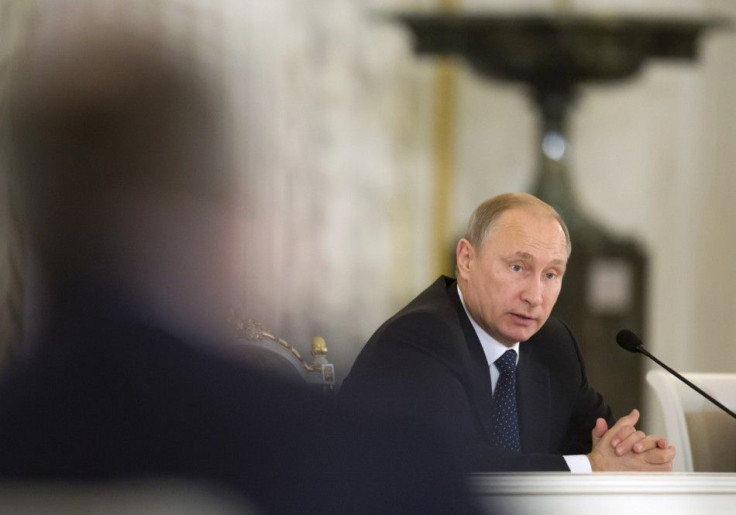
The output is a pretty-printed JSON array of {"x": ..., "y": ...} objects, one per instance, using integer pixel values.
[{"x": 464, "y": 254}]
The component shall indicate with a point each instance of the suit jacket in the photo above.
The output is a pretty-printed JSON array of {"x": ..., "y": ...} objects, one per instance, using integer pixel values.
[
  {"x": 105, "y": 395},
  {"x": 427, "y": 359}
]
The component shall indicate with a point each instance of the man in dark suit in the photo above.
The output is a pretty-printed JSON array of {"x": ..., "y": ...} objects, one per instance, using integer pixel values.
[
  {"x": 131, "y": 216},
  {"x": 438, "y": 357},
  {"x": 118, "y": 161}
]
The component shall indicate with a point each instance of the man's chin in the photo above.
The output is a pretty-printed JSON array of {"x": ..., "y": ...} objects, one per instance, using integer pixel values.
[{"x": 520, "y": 335}]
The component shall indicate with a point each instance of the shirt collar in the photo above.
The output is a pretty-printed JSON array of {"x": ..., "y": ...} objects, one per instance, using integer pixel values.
[{"x": 492, "y": 348}]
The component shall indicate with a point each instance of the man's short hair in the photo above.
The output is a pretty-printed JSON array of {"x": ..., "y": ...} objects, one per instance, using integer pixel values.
[{"x": 487, "y": 214}]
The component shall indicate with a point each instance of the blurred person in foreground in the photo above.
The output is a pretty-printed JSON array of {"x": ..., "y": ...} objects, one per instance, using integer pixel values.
[
  {"x": 119, "y": 157},
  {"x": 481, "y": 358}
]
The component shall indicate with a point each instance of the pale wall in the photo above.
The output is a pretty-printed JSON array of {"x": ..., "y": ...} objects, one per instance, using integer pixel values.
[{"x": 333, "y": 123}]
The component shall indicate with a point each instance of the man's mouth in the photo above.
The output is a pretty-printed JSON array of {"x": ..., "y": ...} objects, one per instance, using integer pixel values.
[{"x": 520, "y": 318}]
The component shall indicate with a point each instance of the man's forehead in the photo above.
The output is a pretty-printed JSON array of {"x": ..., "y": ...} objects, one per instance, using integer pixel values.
[
  {"x": 527, "y": 230},
  {"x": 531, "y": 219}
]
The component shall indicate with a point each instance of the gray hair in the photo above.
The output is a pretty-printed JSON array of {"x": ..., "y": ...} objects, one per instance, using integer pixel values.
[{"x": 487, "y": 214}]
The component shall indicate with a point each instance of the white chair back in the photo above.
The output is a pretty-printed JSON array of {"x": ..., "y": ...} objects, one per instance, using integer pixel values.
[{"x": 705, "y": 436}]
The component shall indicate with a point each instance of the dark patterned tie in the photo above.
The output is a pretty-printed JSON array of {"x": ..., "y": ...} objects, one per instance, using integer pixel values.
[{"x": 505, "y": 419}]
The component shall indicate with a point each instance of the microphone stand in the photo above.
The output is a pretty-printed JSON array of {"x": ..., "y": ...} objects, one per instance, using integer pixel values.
[{"x": 641, "y": 349}]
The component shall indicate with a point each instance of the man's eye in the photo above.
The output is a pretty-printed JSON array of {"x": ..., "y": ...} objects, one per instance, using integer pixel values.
[
  {"x": 551, "y": 275},
  {"x": 516, "y": 268}
]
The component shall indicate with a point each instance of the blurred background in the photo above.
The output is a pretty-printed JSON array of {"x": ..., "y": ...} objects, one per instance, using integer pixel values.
[{"x": 361, "y": 162}]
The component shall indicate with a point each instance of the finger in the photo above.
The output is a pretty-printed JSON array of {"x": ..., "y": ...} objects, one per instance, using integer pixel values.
[
  {"x": 635, "y": 438},
  {"x": 659, "y": 456},
  {"x": 647, "y": 443},
  {"x": 622, "y": 434},
  {"x": 650, "y": 442},
  {"x": 627, "y": 420},
  {"x": 599, "y": 430},
  {"x": 632, "y": 418}
]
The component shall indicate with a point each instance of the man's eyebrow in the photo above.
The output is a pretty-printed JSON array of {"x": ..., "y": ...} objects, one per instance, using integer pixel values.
[{"x": 525, "y": 255}]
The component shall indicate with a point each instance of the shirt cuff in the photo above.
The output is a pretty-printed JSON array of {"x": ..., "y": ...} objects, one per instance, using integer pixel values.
[{"x": 578, "y": 464}]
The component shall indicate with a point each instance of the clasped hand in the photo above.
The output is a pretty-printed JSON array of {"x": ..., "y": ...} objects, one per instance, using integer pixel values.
[{"x": 624, "y": 448}]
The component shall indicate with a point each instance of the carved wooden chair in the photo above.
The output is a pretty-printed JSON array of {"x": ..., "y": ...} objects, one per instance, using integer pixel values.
[{"x": 275, "y": 355}]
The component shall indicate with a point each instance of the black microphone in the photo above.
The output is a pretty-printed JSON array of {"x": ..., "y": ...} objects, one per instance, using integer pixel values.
[{"x": 631, "y": 342}]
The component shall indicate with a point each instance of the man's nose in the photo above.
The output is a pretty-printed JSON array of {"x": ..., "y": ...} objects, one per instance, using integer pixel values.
[{"x": 532, "y": 293}]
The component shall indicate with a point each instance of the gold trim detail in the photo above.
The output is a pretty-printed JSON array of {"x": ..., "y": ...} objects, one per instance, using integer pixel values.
[
  {"x": 249, "y": 329},
  {"x": 445, "y": 111},
  {"x": 445, "y": 116}
]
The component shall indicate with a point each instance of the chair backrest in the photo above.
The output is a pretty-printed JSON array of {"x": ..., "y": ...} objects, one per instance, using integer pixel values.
[
  {"x": 705, "y": 437},
  {"x": 277, "y": 356}
]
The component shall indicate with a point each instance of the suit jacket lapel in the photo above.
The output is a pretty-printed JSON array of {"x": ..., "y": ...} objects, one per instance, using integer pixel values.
[
  {"x": 480, "y": 389},
  {"x": 533, "y": 401}
]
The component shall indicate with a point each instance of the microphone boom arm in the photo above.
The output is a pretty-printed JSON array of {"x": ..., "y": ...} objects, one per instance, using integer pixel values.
[{"x": 642, "y": 350}]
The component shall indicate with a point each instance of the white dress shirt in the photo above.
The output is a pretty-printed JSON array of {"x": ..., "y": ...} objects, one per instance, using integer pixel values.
[{"x": 493, "y": 349}]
